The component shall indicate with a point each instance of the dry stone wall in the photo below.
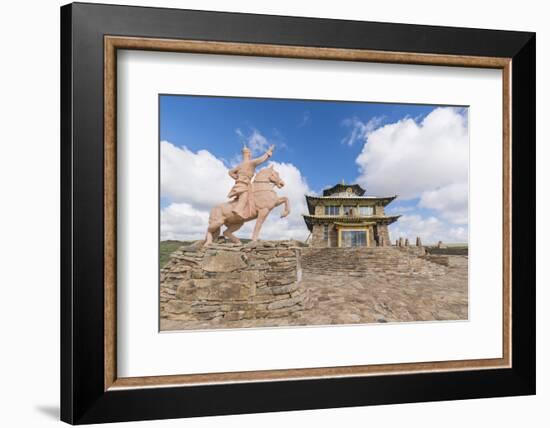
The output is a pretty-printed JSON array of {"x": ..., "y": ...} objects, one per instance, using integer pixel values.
[
  {"x": 372, "y": 263},
  {"x": 230, "y": 282}
]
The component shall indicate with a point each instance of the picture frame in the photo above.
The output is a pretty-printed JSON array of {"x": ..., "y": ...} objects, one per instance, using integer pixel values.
[{"x": 91, "y": 391}]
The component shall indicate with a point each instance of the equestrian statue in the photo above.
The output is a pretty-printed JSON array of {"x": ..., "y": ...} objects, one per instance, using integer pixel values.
[{"x": 252, "y": 197}]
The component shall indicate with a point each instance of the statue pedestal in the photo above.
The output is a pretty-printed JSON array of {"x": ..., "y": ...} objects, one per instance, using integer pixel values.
[{"x": 230, "y": 282}]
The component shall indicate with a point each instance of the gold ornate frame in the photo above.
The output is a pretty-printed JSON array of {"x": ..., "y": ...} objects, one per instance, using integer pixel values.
[{"x": 114, "y": 43}]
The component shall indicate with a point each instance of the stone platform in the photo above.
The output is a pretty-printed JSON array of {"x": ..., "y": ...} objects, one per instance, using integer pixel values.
[
  {"x": 356, "y": 286},
  {"x": 229, "y": 282}
]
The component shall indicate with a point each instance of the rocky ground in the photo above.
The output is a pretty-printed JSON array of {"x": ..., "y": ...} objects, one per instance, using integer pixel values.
[{"x": 435, "y": 294}]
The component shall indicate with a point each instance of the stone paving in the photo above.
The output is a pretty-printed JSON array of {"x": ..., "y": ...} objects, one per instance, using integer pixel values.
[{"x": 430, "y": 293}]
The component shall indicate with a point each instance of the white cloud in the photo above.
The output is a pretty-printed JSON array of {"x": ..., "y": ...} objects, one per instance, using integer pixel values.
[
  {"x": 255, "y": 141},
  {"x": 199, "y": 179},
  {"x": 180, "y": 221},
  {"x": 450, "y": 201},
  {"x": 195, "y": 182},
  {"x": 306, "y": 119},
  {"x": 360, "y": 130},
  {"x": 408, "y": 158},
  {"x": 429, "y": 229},
  {"x": 399, "y": 209},
  {"x": 426, "y": 160}
]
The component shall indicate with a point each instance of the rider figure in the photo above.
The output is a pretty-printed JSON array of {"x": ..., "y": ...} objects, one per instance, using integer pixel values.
[{"x": 242, "y": 174}]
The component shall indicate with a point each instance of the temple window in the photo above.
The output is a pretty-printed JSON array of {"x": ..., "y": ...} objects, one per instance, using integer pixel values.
[
  {"x": 366, "y": 211},
  {"x": 332, "y": 210}
]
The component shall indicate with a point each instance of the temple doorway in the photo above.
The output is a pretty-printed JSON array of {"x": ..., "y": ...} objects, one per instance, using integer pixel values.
[{"x": 353, "y": 238}]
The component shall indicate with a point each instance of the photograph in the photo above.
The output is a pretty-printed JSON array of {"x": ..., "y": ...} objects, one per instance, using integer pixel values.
[{"x": 299, "y": 212}]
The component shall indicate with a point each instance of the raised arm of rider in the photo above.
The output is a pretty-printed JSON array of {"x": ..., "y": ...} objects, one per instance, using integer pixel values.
[{"x": 264, "y": 157}]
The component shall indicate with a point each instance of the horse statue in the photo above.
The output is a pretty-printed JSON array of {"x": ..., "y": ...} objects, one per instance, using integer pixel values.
[{"x": 264, "y": 200}]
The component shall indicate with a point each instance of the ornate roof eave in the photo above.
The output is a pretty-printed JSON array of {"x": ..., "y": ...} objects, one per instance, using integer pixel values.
[
  {"x": 339, "y": 224},
  {"x": 342, "y": 188},
  {"x": 313, "y": 201},
  {"x": 316, "y": 219}
]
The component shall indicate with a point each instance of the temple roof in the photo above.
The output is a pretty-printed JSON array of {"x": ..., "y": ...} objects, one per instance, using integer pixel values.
[
  {"x": 343, "y": 188},
  {"x": 320, "y": 219},
  {"x": 312, "y": 201}
]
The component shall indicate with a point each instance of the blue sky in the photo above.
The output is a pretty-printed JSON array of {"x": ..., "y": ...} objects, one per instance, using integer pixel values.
[
  {"x": 307, "y": 133},
  {"x": 325, "y": 141}
]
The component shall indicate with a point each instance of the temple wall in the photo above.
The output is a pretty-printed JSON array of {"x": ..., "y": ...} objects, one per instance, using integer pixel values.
[
  {"x": 317, "y": 236},
  {"x": 384, "y": 233},
  {"x": 333, "y": 236},
  {"x": 372, "y": 241}
]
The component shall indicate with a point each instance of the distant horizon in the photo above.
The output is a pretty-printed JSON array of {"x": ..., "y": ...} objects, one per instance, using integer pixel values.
[
  {"x": 430, "y": 244},
  {"x": 418, "y": 152}
]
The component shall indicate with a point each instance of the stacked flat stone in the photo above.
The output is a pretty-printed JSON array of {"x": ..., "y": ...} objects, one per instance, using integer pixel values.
[
  {"x": 229, "y": 282},
  {"x": 391, "y": 264}
]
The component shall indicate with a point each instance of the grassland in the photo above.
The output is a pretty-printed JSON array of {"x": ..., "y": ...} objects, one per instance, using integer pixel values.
[
  {"x": 167, "y": 248},
  {"x": 455, "y": 249}
]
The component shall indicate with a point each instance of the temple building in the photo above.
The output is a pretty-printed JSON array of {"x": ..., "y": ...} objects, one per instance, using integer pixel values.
[{"x": 345, "y": 217}]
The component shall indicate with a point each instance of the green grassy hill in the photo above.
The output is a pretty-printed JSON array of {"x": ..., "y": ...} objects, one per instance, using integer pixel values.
[
  {"x": 167, "y": 248},
  {"x": 449, "y": 250}
]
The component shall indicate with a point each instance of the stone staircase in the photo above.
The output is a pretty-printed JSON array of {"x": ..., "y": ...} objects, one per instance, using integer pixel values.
[{"x": 377, "y": 262}]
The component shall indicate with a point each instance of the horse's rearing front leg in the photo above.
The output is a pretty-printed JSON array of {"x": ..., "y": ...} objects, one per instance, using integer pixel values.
[
  {"x": 262, "y": 215},
  {"x": 284, "y": 200}
]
